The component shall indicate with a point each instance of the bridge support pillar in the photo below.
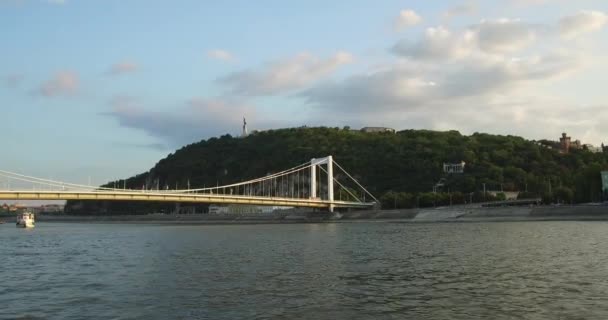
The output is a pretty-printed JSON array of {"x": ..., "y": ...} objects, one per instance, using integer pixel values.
[
  {"x": 330, "y": 182},
  {"x": 329, "y": 162},
  {"x": 313, "y": 179}
]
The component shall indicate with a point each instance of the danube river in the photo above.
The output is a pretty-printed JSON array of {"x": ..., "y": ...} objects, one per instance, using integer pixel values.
[{"x": 524, "y": 270}]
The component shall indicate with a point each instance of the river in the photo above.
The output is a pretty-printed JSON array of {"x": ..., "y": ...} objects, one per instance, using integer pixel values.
[{"x": 368, "y": 270}]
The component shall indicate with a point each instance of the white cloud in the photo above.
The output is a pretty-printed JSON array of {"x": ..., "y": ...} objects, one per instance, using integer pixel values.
[
  {"x": 488, "y": 37},
  {"x": 528, "y": 3},
  {"x": 123, "y": 68},
  {"x": 220, "y": 54},
  {"x": 286, "y": 75},
  {"x": 437, "y": 44},
  {"x": 469, "y": 95},
  {"x": 407, "y": 18},
  {"x": 492, "y": 76},
  {"x": 496, "y": 75},
  {"x": 412, "y": 88},
  {"x": 582, "y": 22},
  {"x": 533, "y": 116},
  {"x": 460, "y": 10},
  {"x": 505, "y": 35},
  {"x": 64, "y": 83}
]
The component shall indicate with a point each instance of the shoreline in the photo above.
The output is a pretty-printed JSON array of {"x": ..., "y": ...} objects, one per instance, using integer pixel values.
[{"x": 455, "y": 214}]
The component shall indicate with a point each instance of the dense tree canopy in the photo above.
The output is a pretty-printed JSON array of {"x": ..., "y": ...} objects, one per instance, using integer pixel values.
[{"x": 406, "y": 164}]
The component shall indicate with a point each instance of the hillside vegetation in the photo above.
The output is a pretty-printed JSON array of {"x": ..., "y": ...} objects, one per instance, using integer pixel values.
[{"x": 401, "y": 168}]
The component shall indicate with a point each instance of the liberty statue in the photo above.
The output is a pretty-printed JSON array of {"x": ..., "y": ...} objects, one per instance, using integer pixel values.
[{"x": 244, "y": 134}]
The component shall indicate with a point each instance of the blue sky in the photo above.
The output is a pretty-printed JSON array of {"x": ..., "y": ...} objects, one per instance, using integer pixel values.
[{"x": 104, "y": 89}]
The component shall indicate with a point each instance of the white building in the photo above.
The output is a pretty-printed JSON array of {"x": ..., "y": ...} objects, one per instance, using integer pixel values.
[
  {"x": 454, "y": 167},
  {"x": 215, "y": 209},
  {"x": 377, "y": 129},
  {"x": 240, "y": 209}
]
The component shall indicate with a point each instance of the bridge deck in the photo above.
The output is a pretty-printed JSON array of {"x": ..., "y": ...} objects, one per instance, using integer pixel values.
[{"x": 177, "y": 197}]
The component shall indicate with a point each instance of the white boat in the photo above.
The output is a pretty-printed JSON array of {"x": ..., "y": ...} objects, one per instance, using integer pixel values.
[{"x": 25, "y": 220}]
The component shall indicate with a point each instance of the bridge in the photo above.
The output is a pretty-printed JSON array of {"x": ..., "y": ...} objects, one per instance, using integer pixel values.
[{"x": 310, "y": 185}]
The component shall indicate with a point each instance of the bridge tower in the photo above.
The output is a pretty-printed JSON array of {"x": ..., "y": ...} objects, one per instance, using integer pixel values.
[{"x": 329, "y": 161}]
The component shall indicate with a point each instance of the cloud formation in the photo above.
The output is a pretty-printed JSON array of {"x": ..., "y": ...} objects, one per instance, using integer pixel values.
[
  {"x": 220, "y": 54},
  {"x": 460, "y": 10},
  {"x": 489, "y": 36},
  {"x": 197, "y": 119},
  {"x": 407, "y": 18},
  {"x": 437, "y": 44},
  {"x": 414, "y": 87},
  {"x": 582, "y": 22},
  {"x": 485, "y": 76},
  {"x": 528, "y": 3},
  {"x": 123, "y": 67},
  {"x": 63, "y": 83},
  {"x": 505, "y": 35},
  {"x": 489, "y": 76},
  {"x": 284, "y": 76},
  {"x": 493, "y": 98}
]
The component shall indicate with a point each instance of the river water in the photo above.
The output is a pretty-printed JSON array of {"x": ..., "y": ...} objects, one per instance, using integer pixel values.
[{"x": 371, "y": 270}]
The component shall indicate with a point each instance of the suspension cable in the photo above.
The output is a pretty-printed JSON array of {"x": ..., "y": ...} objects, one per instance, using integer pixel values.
[
  {"x": 357, "y": 182},
  {"x": 343, "y": 187}
]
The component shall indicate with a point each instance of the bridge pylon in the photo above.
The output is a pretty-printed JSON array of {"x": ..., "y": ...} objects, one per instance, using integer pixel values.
[{"x": 314, "y": 163}]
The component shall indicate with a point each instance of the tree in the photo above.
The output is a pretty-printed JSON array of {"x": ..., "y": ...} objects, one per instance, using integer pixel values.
[
  {"x": 408, "y": 163},
  {"x": 564, "y": 195}
]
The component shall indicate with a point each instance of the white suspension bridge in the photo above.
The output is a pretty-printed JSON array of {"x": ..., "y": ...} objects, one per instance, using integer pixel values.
[{"x": 312, "y": 184}]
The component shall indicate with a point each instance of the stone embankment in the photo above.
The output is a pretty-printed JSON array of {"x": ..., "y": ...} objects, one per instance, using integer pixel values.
[
  {"x": 442, "y": 214},
  {"x": 468, "y": 213}
]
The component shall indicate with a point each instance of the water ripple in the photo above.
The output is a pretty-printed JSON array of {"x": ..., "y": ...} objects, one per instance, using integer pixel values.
[{"x": 545, "y": 270}]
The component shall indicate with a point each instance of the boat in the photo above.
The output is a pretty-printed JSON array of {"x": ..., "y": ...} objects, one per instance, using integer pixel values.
[{"x": 25, "y": 220}]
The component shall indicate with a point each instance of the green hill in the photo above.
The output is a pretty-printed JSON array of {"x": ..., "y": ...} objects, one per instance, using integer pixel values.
[{"x": 401, "y": 167}]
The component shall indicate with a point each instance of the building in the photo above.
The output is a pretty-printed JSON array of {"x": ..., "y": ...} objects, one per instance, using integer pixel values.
[
  {"x": 240, "y": 209},
  {"x": 377, "y": 129},
  {"x": 454, "y": 167},
  {"x": 509, "y": 195},
  {"x": 593, "y": 148},
  {"x": 566, "y": 143},
  {"x": 215, "y": 209},
  {"x": 604, "y": 175}
]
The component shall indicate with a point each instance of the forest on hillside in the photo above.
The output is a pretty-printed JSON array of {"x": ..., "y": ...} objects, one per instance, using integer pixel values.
[{"x": 399, "y": 168}]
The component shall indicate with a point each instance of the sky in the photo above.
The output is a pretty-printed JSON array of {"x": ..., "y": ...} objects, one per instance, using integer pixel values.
[{"x": 101, "y": 90}]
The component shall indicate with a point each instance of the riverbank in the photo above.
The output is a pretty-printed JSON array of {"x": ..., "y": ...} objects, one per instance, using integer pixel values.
[
  {"x": 443, "y": 214},
  {"x": 482, "y": 214}
]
